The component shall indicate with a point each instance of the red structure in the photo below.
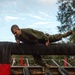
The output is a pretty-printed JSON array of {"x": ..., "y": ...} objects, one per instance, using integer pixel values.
[
  {"x": 21, "y": 61},
  {"x": 65, "y": 60},
  {"x": 4, "y": 69}
]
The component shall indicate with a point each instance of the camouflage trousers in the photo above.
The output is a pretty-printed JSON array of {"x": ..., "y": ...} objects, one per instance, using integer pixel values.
[
  {"x": 57, "y": 37},
  {"x": 38, "y": 59}
]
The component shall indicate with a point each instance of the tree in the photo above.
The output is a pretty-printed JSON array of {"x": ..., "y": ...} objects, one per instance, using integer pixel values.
[{"x": 66, "y": 15}]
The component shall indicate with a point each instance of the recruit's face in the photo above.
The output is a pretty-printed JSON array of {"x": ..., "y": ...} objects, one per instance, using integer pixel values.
[{"x": 16, "y": 32}]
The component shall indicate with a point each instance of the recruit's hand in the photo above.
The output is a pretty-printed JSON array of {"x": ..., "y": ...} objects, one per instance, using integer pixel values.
[
  {"x": 18, "y": 41},
  {"x": 47, "y": 43}
]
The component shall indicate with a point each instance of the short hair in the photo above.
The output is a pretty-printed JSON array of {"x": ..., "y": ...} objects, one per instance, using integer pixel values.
[{"x": 14, "y": 27}]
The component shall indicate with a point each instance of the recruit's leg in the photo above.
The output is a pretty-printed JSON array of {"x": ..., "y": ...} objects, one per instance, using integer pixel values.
[
  {"x": 39, "y": 61},
  {"x": 57, "y": 37}
]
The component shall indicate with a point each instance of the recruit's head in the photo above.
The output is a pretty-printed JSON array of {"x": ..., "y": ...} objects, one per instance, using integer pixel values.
[{"x": 15, "y": 30}]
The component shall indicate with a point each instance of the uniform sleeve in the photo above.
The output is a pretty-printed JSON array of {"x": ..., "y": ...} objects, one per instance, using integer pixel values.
[{"x": 46, "y": 37}]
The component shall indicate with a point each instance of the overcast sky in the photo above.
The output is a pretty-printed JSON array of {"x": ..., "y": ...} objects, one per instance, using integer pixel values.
[{"x": 36, "y": 14}]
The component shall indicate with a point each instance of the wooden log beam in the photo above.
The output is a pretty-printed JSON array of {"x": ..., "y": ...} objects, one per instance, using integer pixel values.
[{"x": 39, "y": 49}]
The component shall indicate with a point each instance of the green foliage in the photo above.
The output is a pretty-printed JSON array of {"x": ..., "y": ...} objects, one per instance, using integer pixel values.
[{"x": 66, "y": 15}]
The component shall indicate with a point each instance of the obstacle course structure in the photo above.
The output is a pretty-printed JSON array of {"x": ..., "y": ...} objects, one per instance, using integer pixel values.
[{"x": 8, "y": 48}]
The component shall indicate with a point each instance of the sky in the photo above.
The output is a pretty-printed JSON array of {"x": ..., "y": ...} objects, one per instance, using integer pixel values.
[{"x": 36, "y": 14}]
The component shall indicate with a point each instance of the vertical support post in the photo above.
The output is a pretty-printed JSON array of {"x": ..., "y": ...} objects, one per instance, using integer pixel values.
[
  {"x": 21, "y": 61},
  {"x": 5, "y": 55}
]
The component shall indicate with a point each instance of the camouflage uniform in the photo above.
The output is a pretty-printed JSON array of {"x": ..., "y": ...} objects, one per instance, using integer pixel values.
[
  {"x": 57, "y": 37},
  {"x": 30, "y": 36}
]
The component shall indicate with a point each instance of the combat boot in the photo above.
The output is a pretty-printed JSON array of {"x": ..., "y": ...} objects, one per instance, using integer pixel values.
[
  {"x": 46, "y": 69},
  {"x": 73, "y": 31}
]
